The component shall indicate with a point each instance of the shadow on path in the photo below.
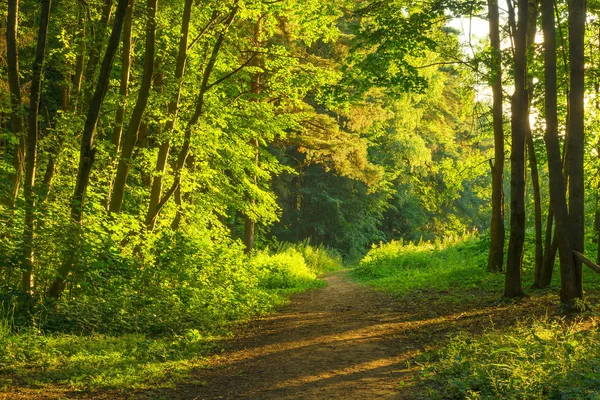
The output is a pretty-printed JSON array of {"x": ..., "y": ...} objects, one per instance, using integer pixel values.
[{"x": 344, "y": 341}]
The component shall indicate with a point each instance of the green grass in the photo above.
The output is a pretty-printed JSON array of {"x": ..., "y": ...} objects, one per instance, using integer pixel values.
[
  {"x": 401, "y": 268},
  {"x": 539, "y": 357},
  {"x": 132, "y": 361},
  {"x": 34, "y": 356}
]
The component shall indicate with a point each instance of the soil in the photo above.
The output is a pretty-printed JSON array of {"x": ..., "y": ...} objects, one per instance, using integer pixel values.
[{"x": 343, "y": 341}]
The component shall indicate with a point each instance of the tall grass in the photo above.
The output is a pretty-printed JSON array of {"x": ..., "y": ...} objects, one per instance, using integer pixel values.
[{"x": 401, "y": 267}]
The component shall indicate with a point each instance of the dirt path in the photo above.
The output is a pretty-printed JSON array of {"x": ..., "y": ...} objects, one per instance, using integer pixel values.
[{"x": 338, "y": 342}]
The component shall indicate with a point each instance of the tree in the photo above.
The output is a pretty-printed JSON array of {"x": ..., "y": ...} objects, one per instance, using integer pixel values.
[
  {"x": 519, "y": 129},
  {"x": 32, "y": 147},
  {"x": 496, "y": 254},
  {"x": 575, "y": 145},
  {"x": 14, "y": 81},
  {"x": 130, "y": 139}
]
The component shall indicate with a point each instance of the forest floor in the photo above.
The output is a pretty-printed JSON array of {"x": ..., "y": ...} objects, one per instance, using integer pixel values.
[{"x": 343, "y": 341}]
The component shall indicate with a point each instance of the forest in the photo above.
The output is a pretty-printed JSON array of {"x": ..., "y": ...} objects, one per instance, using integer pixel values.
[{"x": 281, "y": 199}]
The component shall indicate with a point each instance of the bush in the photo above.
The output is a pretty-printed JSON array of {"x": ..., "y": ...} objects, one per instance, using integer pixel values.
[{"x": 282, "y": 270}]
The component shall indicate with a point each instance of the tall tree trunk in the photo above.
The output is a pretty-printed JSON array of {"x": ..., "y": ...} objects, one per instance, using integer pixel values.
[
  {"x": 519, "y": 126},
  {"x": 87, "y": 151},
  {"x": 165, "y": 147},
  {"x": 533, "y": 165},
  {"x": 496, "y": 254},
  {"x": 12, "y": 61},
  {"x": 558, "y": 200},
  {"x": 80, "y": 46},
  {"x": 125, "y": 72},
  {"x": 96, "y": 45},
  {"x": 31, "y": 149},
  {"x": 575, "y": 142},
  {"x": 131, "y": 137},
  {"x": 255, "y": 89}
]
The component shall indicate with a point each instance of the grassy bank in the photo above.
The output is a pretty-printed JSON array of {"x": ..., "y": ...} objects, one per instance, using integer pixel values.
[
  {"x": 530, "y": 352},
  {"x": 96, "y": 356}
]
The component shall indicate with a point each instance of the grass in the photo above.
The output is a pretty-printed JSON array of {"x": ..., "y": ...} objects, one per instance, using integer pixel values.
[
  {"x": 530, "y": 353},
  {"x": 33, "y": 357},
  {"x": 403, "y": 268},
  {"x": 539, "y": 358},
  {"x": 133, "y": 361}
]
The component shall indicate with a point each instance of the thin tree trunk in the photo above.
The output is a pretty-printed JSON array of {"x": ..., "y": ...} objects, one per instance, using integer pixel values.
[
  {"x": 255, "y": 89},
  {"x": 12, "y": 61},
  {"x": 550, "y": 247},
  {"x": 79, "y": 61},
  {"x": 31, "y": 150},
  {"x": 575, "y": 143},
  {"x": 131, "y": 137},
  {"x": 125, "y": 72},
  {"x": 497, "y": 230},
  {"x": 96, "y": 46},
  {"x": 87, "y": 151},
  {"x": 165, "y": 147},
  {"x": 558, "y": 200},
  {"x": 533, "y": 165},
  {"x": 519, "y": 126}
]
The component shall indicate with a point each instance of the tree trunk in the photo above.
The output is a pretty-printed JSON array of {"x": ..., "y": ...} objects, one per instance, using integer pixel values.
[
  {"x": 533, "y": 165},
  {"x": 31, "y": 149},
  {"x": 131, "y": 137},
  {"x": 255, "y": 89},
  {"x": 125, "y": 72},
  {"x": 497, "y": 231},
  {"x": 550, "y": 247},
  {"x": 87, "y": 151},
  {"x": 519, "y": 126},
  {"x": 575, "y": 144},
  {"x": 96, "y": 47},
  {"x": 558, "y": 200},
  {"x": 79, "y": 61},
  {"x": 165, "y": 147},
  {"x": 12, "y": 61}
]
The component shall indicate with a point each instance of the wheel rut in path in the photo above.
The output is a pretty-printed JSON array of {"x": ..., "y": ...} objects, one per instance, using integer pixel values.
[{"x": 343, "y": 341}]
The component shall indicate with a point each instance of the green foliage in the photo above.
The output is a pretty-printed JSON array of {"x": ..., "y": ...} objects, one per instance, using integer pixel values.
[
  {"x": 538, "y": 358},
  {"x": 141, "y": 327},
  {"x": 404, "y": 267},
  {"x": 284, "y": 270}
]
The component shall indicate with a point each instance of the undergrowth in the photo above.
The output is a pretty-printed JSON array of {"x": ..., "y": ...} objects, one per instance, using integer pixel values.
[
  {"x": 540, "y": 358},
  {"x": 401, "y": 267},
  {"x": 151, "y": 330}
]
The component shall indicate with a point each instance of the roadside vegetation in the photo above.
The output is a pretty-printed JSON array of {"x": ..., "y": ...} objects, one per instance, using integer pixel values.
[
  {"x": 138, "y": 338},
  {"x": 533, "y": 353}
]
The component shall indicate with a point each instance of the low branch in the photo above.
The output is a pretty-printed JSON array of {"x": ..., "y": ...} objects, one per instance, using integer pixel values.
[{"x": 595, "y": 267}]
